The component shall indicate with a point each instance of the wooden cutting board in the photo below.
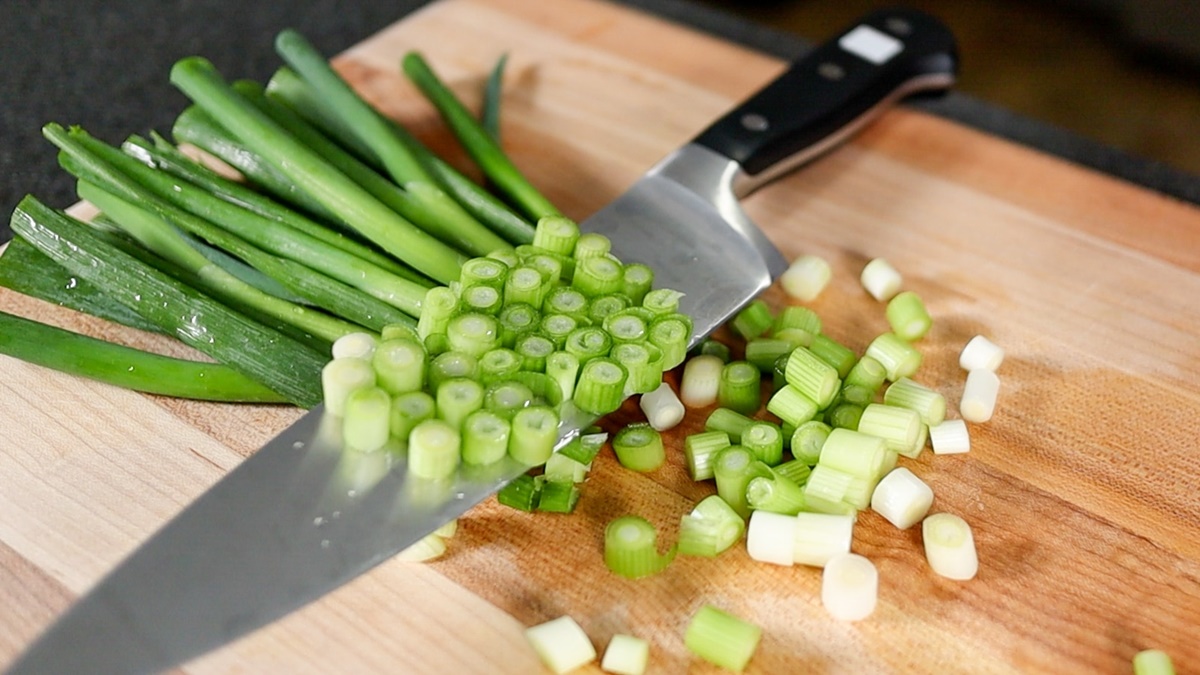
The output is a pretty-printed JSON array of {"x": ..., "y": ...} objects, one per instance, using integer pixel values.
[{"x": 1083, "y": 490}]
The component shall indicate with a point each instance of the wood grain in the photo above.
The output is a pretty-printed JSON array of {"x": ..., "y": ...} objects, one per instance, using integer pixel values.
[{"x": 1082, "y": 490}]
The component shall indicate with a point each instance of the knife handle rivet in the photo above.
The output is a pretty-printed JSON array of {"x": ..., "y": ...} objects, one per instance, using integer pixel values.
[
  {"x": 831, "y": 71},
  {"x": 755, "y": 122}
]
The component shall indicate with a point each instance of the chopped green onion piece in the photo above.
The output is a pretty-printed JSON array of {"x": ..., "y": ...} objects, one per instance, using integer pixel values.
[
  {"x": 729, "y": 421},
  {"x": 626, "y": 326},
  {"x": 806, "y": 277},
  {"x": 605, "y": 306},
  {"x": 533, "y": 350},
  {"x": 399, "y": 365},
  {"x": 722, "y": 638},
  {"x": 601, "y": 386},
  {"x": 740, "y": 387},
  {"x": 753, "y": 320},
  {"x": 771, "y": 538},
  {"x": 585, "y": 447},
  {"x": 898, "y": 358},
  {"x": 341, "y": 377},
  {"x": 764, "y": 352},
  {"x": 807, "y": 440},
  {"x": 796, "y": 470},
  {"x": 355, "y": 345},
  {"x": 950, "y": 546},
  {"x": 457, "y": 398},
  {"x": 734, "y": 468},
  {"x": 821, "y": 536},
  {"x": 626, "y": 655},
  {"x": 779, "y": 373},
  {"x": 978, "y": 402},
  {"x": 844, "y": 416},
  {"x": 399, "y": 330},
  {"x": 854, "y": 453},
  {"x": 563, "y": 368},
  {"x": 792, "y": 406},
  {"x": 711, "y": 347},
  {"x": 439, "y": 307},
  {"x": 671, "y": 335},
  {"x": 365, "y": 419},
  {"x": 484, "y": 438},
  {"x": 562, "y": 468},
  {"x": 902, "y": 498},
  {"x": 900, "y": 428},
  {"x": 429, "y": 547},
  {"x": 701, "y": 449},
  {"x": 451, "y": 365},
  {"x": 550, "y": 267},
  {"x": 813, "y": 377},
  {"x": 636, "y": 281},
  {"x": 907, "y": 316},
  {"x": 566, "y": 300},
  {"x": 639, "y": 447},
  {"x": 534, "y": 432},
  {"x": 631, "y": 548},
  {"x": 701, "y": 381},
  {"x": 950, "y": 437},
  {"x": 711, "y": 528},
  {"x": 588, "y": 342},
  {"x": 905, "y": 393},
  {"x": 765, "y": 440},
  {"x": 483, "y": 272},
  {"x": 409, "y": 410},
  {"x": 662, "y": 407},
  {"x": 525, "y": 285},
  {"x": 521, "y": 493},
  {"x": 481, "y": 300},
  {"x": 598, "y": 275},
  {"x": 434, "y": 450},
  {"x": 662, "y": 301},
  {"x": 590, "y": 245},
  {"x": 863, "y": 381},
  {"x": 880, "y": 279},
  {"x": 826, "y": 489},
  {"x": 558, "y": 496},
  {"x": 506, "y": 398},
  {"x": 561, "y": 644},
  {"x": 1152, "y": 662},
  {"x": 557, "y": 327},
  {"x": 642, "y": 375},
  {"x": 798, "y": 318},
  {"x": 498, "y": 365},
  {"x": 556, "y": 234},
  {"x": 473, "y": 333},
  {"x": 849, "y": 587},
  {"x": 830, "y": 351},
  {"x": 517, "y": 319},
  {"x": 980, "y": 353},
  {"x": 777, "y": 494}
]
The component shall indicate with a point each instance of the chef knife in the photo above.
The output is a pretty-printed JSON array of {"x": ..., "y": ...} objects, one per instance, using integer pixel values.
[{"x": 303, "y": 516}]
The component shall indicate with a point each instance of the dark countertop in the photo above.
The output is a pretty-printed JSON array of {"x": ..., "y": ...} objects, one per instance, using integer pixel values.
[{"x": 103, "y": 64}]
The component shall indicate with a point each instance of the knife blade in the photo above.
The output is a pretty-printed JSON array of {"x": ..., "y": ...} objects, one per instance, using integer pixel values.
[{"x": 303, "y": 516}]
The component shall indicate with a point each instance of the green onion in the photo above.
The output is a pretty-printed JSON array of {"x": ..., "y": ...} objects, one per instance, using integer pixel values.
[
  {"x": 950, "y": 437},
  {"x": 561, "y": 644},
  {"x": 473, "y": 334},
  {"x": 521, "y": 493},
  {"x": 550, "y": 266},
  {"x": 483, "y": 272},
  {"x": 355, "y": 345},
  {"x": 806, "y": 277},
  {"x": 902, "y": 498},
  {"x": 980, "y": 353},
  {"x": 568, "y": 301},
  {"x": 562, "y": 468},
  {"x": 485, "y": 438},
  {"x": 905, "y": 393},
  {"x": 897, "y": 357},
  {"x": 796, "y": 470},
  {"x": 399, "y": 365},
  {"x": 625, "y": 326},
  {"x": 558, "y": 496},
  {"x": 365, "y": 419},
  {"x": 631, "y": 548},
  {"x": 643, "y": 365},
  {"x": 341, "y": 377},
  {"x": 601, "y": 386},
  {"x": 771, "y": 538},
  {"x": 855, "y": 453},
  {"x": 436, "y": 343},
  {"x": 639, "y": 447},
  {"x": 438, "y": 307},
  {"x": 839, "y": 356},
  {"x": 604, "y": 306},
  {"x": 722, "y": 638},
  {"x": 457, "y": 398},
  {"x": 813, "y": 377},
  {"x": 498, "y": 365},
  {"x": 822, "y": 536},
  {"x": 671, "y": 335},
  {"x": 597, "y": 276},
  {"x": 534, "y": 432},
  {"x": 662, "y": 407},
  {"x": 764, "y": 352},
  {"x": 765, "y": 440},
  {"x": 900, "y": 428},
  {"x": 754, "y": 320},
  {"x": 526, "y": 285},
  {"x": 733, "y": 468},
  {"x": 588, "y": 342},
  {"x": 701, "y": 449},
  {"x": 950, "y": 546},
  {"x": 740, "y": 387},
  {"x": 409, "y": 410},
  {"x": 517, "y": 319},
  {"x": 534, "y": 350},
  {"x": 733, "y": 423},
  {"x": 557, "y": 234},
  {"x": 557, "y": 327},
  {"x": 711, "y": 528},
  {"x": 826, "y": 490},
  {"x": 978, "y": 402},
  {"x": 126, "y": 367},
  {"x": 907, "y": 316},
  {"x": 849, "y": 587},
  {"x": 481, "y": 300},
  {"x": 434, "y": 450},
  {"x": 807, "y": 440},
  {"x": 198, "y": 79},
  {"x": 880, "y": 279},
  {"x": 399, "y": 331},
  {"x": 591, "y": 245},
  {"x": 281, "y": 363},
  {"x": 1152, "y": 662},
  {"x": 626, "y": 655},
  {"x": 484, "y": 149},
  {"x": 636, "y": 282},
  {"x": 844, "y": 415},
  {"x": 864, "y": 381},
  {"x": 585, "y": 447},
  {"x": 710, "y": 347},
  {"x": 507, "y": 398},
  {"x": 798, "y": 318},
  {"x": 775, "y": 493},
  {"x": 451, "y": 365},
  {"x": 563, "y": 368},
  {"x": 701, "y": 381},
  {"x": 792, "y": 406}
]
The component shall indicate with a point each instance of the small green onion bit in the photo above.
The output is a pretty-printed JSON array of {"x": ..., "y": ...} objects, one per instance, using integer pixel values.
[
  {"x": 533, "y": 350},
  {"x": 484, "y": 438},
  {"x": 671, "y": 335},
  {"x": 506, "y": 398},
  {"x": 434, "y": 450},
  {"x": 626, "y": 326},
  {"x": 710, "y": 347},
  {"x": 863, "y": 381},
  {"x": 731, "y": 422},
  {"x": 798, "y": 318},
  {"x": 636, "y": 281},
  {"x": 601, "y": 386},
  {"x": 776, "y": 493},
  {"x": 558, "y": 496},
  {"x": 439, "y": 306},
  {"x": 907, "y": 316},
  {"x": 483, "y": 272},
  {"x": 525, "y": 284},
  {"x": 644, "y": 369},
  {"x": 534, "y": 432},
  {"x": 631, "y": 548},
  {"x": 590, "y": 245},
  {"x": 563, "y": 368},
  {"x": 701, "y": 449},
  {"x": 457, "y": 398},
  {"x": 662, "y": 301},
  {"x": 765, "y": 440},
  {"x": 498, "y": 365},
  {"x": 711, "y": 528},
  {"x": 807, "y": 440},
  {"x": 588, "y": 342},
  {"x": 796, "y": 470},
  {"x": 551, "y": 269},
  {"x": 602, "y": 307},
  {"x": 792, "y": 406},
  {"x": 556, "y": 327},
  {"x": 898, "y": 357},
  {"x": 516, "y": 320},
  {"x": 585, "y": 447},
  {"x": 409, "y": 410},
  {"x": 473, "y": 334},
  {"x": 341, "y": 377},
  {"x": 562, "y": 468},
  {"x": 813, "y": 377},
  {"x": 481, "y": 300},
  {"x": 451, "y": 365},
  {"x": 764, "y": 352},
  {"x": 568, "y": 301},
  {"x": 365, "y": 419},
  {"x": 556, "y": 234},
  {"x": 639, "y": 447},
  {"x": 906, "y": 393},
  {"x": 754, "y": 320},
  {"x": 399, "y": 365},
  {"x": 740, "y": 387},
  {"x": 521, "y": 493},
  {"x": 597, "y": 275},
  {"x": 733, "y": 468},
  {"x": 844, "y": 415},
  {"x": 722, "y": 638}
]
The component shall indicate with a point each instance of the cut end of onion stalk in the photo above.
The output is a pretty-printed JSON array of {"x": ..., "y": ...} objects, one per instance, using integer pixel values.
[
  {"x": 701, "y": 381},
  {"x": 807, "y": 276},
  {"x": 561, "y": 644},
  {"x": 980, "y": 353},
  {"x": 662, "y": 407},
  {"x": 881, "y": 280},
  {"x": 626, "y": 655},
  {"x": 849, "y": 587},
  {"x": 950, "y": 437},
  {"x": 979, "y": 396},
  {"x": 722, "y": 638},
  {"x": 902, "y": 498},
  {"x": 950, "y": 546},
  {"x": 1153, "y": 662},
  {"x": 771, "y": 538}
]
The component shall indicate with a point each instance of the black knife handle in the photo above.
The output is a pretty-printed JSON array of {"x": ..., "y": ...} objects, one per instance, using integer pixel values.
[{"x": 833, "y": 90}]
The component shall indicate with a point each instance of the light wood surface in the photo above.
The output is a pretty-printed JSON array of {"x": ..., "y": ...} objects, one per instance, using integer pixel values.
[{"x": 1082, "y": 491}]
